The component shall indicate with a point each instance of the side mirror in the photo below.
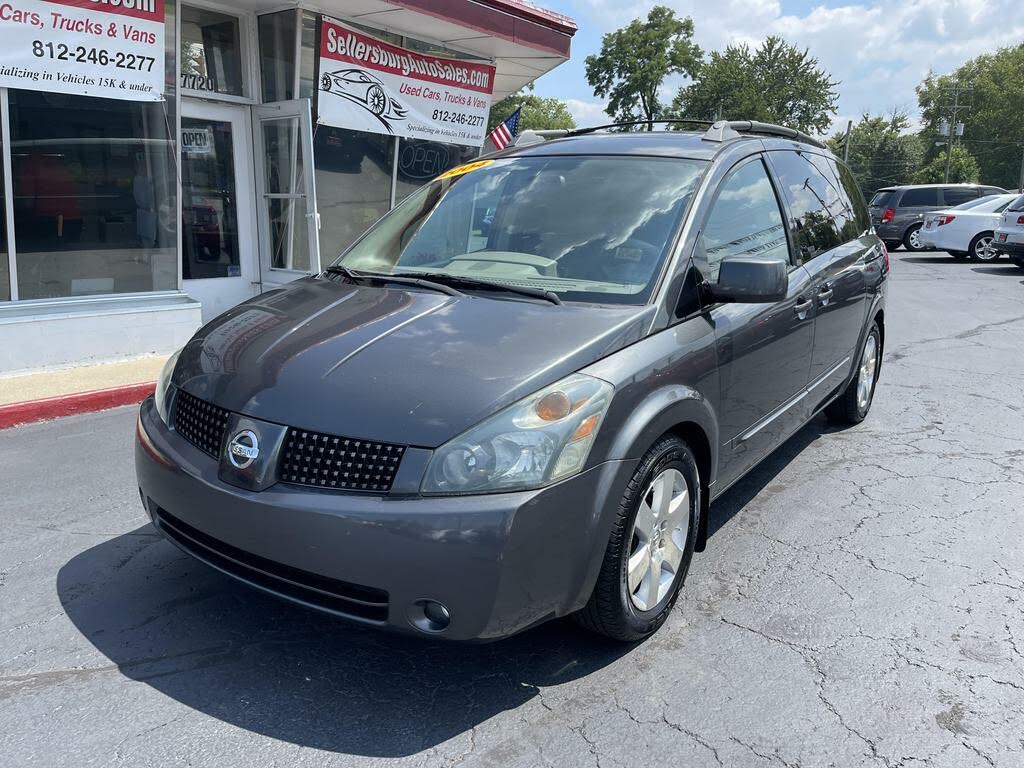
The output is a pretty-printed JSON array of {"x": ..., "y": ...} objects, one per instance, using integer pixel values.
[{"x": 750, "y": 281}]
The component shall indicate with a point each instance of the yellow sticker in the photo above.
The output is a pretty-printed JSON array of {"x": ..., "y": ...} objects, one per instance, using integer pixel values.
[{"x": 461, "y": 169}]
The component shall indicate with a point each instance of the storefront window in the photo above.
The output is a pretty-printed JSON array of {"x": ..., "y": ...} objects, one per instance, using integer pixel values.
[
  {"x": 5, "y": 275},
  {"x": 419, "y": 161},
  {"x": 209, "y": 221},
  {"x": 211, "y": 52},
  {"x": 307, "y": 59},
  {"x": 94, "y": 195},
  {"x": 277, "y": 55},
  {"x": 353, "y": 184}
]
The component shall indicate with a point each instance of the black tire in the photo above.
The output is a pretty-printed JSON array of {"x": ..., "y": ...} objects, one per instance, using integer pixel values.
[
  {"x": 959, "y": 255},
  {"x": 1018, "y": 260},
  {"x": 976, "y": 246},
  {"x": 610, "y": 610},
  {"x": 892, "y": 245},
  {"x": 847, "y": 408},
  {"x": 908, "y": 234}
]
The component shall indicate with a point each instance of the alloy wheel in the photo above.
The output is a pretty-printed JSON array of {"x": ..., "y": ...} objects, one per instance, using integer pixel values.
[
  {"x": 866, "y": 376},
  {"x": 660, "y": 532},
  {"x": 914, "y": 238},
  {"x": 983, "y": 250}
]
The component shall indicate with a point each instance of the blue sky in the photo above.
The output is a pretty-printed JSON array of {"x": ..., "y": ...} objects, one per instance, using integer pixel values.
[{"x": 879, "y": 50}]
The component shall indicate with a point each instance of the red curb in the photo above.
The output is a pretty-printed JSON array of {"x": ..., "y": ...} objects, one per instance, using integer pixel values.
[{"x": 26, "y": 412}]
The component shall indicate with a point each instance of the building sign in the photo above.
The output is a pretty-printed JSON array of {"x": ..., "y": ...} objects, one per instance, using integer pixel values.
[
  {"x": 367, "y": 84},
  {"x": 109, "y": 48}
]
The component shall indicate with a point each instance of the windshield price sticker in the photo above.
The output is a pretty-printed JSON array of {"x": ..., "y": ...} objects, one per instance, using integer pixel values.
[
  {"x": 108, "y": 48},
  {"x": 464, "y": 169},
  {"x": 368, "y": 84}
]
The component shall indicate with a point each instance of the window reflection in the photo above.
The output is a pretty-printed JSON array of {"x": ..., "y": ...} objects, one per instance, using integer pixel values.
[
  {"x": 353, "y": 184},
  {"x": 94, "y": 195},
  {"x": 420, "y": 161},
  {"x": 211, "y": 52}
]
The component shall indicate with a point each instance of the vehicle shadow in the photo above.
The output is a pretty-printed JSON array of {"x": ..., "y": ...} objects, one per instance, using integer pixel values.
[
  {"x": 998, "y": 269},
  {"x": 299, "y": 676},
  {"x": 296, "y": 675},
  {"x": 943, "y": 259}
]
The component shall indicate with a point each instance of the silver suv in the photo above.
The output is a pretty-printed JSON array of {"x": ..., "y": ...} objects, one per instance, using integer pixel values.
[{"x": 898, "y": 212}]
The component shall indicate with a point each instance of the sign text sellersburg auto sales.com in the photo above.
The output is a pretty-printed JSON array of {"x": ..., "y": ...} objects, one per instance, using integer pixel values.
[
  {"x": 367, "y": 84},
  {"x": 110, "y": 48}
]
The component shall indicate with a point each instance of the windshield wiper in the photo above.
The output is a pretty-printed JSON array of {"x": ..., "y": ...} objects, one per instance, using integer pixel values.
[
  {"x": 355, "y": 277},
  {"x": 487, "y": 285}
]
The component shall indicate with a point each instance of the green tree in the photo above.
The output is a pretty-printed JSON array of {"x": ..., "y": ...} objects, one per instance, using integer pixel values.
[
  {"x": 538, "y": 114},
  {"x": 882, "y": 152},
  {"x": 992, "y": 88},
  {"x": 963, "y": 168},
  {"x": 635, "y": 60},
  {"x": 774, "y": 83}
]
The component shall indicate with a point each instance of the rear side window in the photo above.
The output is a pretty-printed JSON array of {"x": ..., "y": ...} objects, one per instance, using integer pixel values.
[
  {"x": 814, "y": 201},
  {"x": 1016, "y": 205},
  {"x": 881, "y": 199},
  {"x": 853, "y": 220},
  {"x": 745, "y": 220},
  {"x": 958, "y": 195},
  {"x": 915, "y": 198}
]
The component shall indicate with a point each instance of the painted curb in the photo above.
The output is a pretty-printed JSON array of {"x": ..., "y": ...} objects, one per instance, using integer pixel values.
[{"x": 14, "y": 414}]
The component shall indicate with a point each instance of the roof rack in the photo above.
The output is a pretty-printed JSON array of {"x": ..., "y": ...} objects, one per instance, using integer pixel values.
[{"x": 721, "y": 130}]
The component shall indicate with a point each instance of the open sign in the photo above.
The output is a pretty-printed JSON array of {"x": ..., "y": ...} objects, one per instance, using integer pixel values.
[
  {"x": 423, "y": 160},
  {"x": 197, "y": 141}
]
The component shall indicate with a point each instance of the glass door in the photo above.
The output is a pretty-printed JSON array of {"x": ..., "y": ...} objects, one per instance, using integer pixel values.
[
  {"x": 286, "y": 192},
  {"x": 217, "y": 223}
]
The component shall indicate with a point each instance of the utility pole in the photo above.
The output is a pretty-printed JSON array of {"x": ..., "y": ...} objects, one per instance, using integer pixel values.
[
  {"x": 1020, "y": 183},
  {"x": 846, "y": 144},
  {"x": 953, "y": 125}
]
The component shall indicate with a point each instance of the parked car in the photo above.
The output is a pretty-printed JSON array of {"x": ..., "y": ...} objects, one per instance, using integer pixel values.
[
  {"x": 898, "y": 212},
  {"x": 966, "y": 231},
  {"x": 1009, "y": 234},
  {"x": 464, "y": 434}
]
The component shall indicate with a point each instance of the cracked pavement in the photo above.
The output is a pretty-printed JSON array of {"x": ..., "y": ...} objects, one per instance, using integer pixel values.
[{"x": 859, "y": 604}]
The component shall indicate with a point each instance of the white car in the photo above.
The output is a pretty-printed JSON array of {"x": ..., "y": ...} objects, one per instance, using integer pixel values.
[
  {"x": 1009, "y": 234},
  {"x": 966, "y": 231}
]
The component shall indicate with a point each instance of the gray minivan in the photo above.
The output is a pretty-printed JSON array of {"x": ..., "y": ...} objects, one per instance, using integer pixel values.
[
  {"x": 897, "y": 213},
  {"x": 516, "y": 396}
]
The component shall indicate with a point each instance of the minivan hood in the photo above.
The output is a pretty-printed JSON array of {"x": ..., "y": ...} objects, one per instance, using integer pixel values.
[{"x": 399, "y": 366}]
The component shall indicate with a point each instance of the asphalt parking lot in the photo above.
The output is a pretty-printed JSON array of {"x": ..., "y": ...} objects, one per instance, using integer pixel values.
[{"x": 861, "y": 602}]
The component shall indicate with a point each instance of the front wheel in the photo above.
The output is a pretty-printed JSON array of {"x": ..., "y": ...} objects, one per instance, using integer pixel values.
[
  {"x": 852, "y": 406},
  {"x": 650, "y": 547},
  {"x": 981, "y": 247}
]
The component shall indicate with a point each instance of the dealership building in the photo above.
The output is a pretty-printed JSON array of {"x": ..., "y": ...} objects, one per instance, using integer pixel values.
[{"x": 163, "y": 161}]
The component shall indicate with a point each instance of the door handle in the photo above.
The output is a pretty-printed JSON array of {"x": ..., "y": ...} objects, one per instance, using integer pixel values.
[
  {"x": 825, "y": 294},
  {"x": 802, "y": 307}
]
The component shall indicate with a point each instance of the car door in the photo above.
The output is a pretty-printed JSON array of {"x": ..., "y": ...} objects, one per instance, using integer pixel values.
[
  {"x": 833, "y": 243},
  {"x": 763, "y": 350}
]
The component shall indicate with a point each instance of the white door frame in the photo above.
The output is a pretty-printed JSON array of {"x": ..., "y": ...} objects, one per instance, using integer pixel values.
[
  {"x": 304, "y": 189},
  {"x": 216, "y": 294}
]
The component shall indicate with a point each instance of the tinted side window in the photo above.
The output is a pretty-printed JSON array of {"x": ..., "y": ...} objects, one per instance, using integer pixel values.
[
  {"x": 813, "y": 200},
  {"x": 745, "y": 220},
  {"x": 920, "y": 197},
  {"x": 853, "y": 193},
  {"x": 957, "y": 195}
]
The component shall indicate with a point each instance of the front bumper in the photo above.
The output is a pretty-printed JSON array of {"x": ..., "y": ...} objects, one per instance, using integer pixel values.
[{"x": 499, "y": 563}]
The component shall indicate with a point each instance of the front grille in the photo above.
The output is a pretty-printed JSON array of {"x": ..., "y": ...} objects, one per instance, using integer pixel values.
[
  {"x": 329, "y": 461},
  {"x": 199, "y": 422},
  {"x": 334, "y": 595}
]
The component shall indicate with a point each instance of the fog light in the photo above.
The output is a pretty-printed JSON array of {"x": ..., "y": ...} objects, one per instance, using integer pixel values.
[{"x": 429, "y": 616}]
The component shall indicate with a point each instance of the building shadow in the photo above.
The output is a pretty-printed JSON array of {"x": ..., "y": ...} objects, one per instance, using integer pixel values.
[{"x": 293, "y": 674}]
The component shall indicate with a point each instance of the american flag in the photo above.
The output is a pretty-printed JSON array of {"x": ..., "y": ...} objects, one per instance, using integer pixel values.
[{"x": 506, "y": 131}]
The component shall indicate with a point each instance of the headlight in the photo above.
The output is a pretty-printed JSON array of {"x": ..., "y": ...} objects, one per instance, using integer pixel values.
[
  {"x": 537, "y": 441},
  {"x": 163, "y": 386}
]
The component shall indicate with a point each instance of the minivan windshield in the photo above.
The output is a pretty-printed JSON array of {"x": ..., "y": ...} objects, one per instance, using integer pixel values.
[{"x": 588, "y": 228}]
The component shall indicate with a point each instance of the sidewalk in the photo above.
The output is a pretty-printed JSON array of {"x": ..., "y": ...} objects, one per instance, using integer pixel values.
[{"x": 49, "y": 394}]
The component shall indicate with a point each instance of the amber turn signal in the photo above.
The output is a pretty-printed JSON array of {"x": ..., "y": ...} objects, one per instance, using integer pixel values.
[{"x": 553, "y": 406}]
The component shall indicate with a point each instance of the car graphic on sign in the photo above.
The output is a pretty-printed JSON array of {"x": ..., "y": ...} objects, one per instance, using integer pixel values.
[{"x": 366, "y": 90}]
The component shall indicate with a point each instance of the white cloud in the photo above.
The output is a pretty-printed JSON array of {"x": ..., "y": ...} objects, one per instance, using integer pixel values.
[
  {"x": 587, "y": 113},
  {"x": 878, "y": 50}
]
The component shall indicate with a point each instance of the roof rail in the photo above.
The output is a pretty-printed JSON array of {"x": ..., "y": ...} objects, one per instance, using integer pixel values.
[{"x": 722, "y": 130}]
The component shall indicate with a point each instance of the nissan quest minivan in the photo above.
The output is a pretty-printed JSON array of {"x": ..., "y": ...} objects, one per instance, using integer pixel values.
[{"x": 516, "y": 396}]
